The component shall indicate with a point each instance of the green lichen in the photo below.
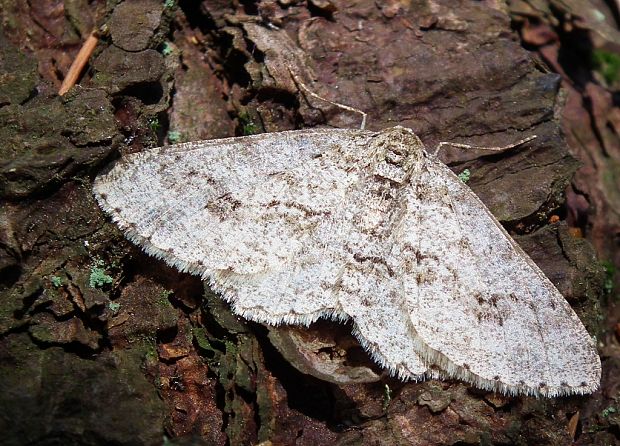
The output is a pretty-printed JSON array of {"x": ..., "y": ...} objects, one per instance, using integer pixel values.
[
  {"x": 169, "y": 4},
  {"x": 610, "y": 272},
  {"x": 465, "y": 175},
  {"x": 610, "y": 410},
  {"x": 150, "y": 354},
  {"x": 166, "y": 50},
  {"x": 387, "y": 397},
  {"x": 231, "y": 348},
  {"x": 114, "y": 307},
  {"x": 56, "y": 281},
  {"x": 247, "y": 124},
  {"x": 594, "y": 428},
  {"x": 200, "y": 335},
  {"x": 164, "y": 299},
  {"x": 154, "y": 124},
  {"x": 174, "y": 136},
  {"x": 98, "y": 278},
  {"x": 608, "y": 64}
]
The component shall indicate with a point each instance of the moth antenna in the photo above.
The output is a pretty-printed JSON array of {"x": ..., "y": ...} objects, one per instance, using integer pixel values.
[
  {"x": 491, "y": 149},
  {"x": 303, "y": 87}
]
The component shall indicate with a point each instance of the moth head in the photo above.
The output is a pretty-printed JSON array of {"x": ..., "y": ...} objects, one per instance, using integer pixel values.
[{"x": 399, "y": 145}]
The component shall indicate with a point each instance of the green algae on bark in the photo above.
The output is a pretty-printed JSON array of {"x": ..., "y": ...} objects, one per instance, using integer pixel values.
[
  {"x": 56, "y": 395},
  {"x": 50, "y": 139}
]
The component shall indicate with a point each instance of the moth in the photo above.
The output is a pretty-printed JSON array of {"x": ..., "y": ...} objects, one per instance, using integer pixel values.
[{"x": 346, "y": 224}]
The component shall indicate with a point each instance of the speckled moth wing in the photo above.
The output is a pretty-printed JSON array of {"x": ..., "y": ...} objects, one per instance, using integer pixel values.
[
  {"x": 234, "y": 204},
  {"x": 267, "y": 219},
  {"x": 481, "y": 309},
  {"x": 371, "y": 298},
  {"x": 351, "y": 252},
  {"x": 238, "y": 206}
]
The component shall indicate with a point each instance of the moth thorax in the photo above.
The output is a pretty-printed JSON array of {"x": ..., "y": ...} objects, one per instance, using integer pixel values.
[{"x": 398, "y": 150}]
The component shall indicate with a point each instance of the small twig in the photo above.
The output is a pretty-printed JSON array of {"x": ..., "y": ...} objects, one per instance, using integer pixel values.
[
  {"x": 491, "y": 149},
  {"x": 572, "y": 425},
  {"x": 79, "y": 62},
  {"x": 301, "y": 85}
]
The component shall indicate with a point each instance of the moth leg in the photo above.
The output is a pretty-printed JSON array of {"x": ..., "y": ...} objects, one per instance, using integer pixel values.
[
  {"x": 303, "y": 87},
  {"x": 490, "y": 149}
]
